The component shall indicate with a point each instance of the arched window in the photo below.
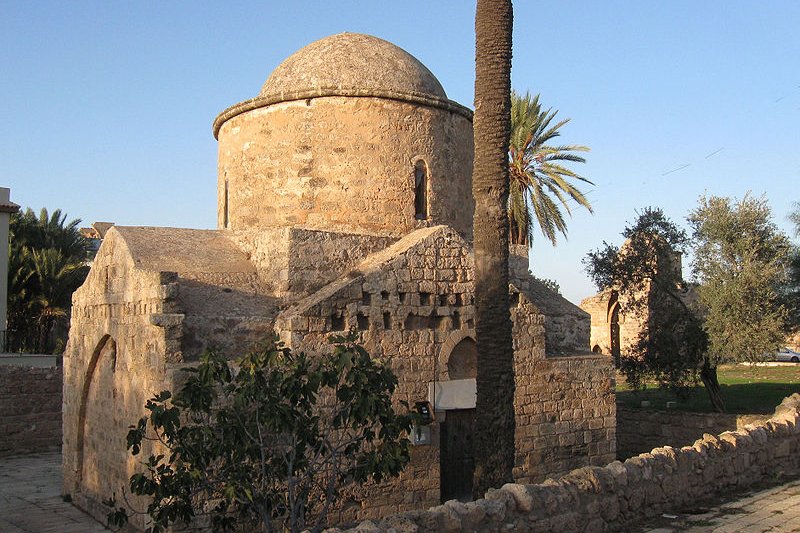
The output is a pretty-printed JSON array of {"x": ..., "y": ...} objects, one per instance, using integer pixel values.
[{"x": 420, "y": 190}]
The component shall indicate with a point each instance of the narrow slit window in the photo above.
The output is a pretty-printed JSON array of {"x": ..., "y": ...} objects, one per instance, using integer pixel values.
[
  {"x": 225, "y": 207},
  {"x": 421, "y": 190}
]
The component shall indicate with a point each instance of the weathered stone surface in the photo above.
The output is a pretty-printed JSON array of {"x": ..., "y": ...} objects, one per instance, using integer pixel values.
[
  {"x": 640, "y": 430},
  {"x": 30, "y": 409}
]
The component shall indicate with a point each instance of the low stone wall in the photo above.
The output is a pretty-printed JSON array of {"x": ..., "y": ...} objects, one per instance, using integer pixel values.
[
  {"x": 607, "y": 498},
  {"x": 641, "y": 430},
  {"x": 30, "y": 409}
]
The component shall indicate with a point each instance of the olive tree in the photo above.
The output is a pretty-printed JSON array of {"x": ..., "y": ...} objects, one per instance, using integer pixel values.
[{"x": 740, "y": 261}]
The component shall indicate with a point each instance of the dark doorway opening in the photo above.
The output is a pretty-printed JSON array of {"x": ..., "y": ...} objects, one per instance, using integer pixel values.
[{"x": 457, "y": 458}]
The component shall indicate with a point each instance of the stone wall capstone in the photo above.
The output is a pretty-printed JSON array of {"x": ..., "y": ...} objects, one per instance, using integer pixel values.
[
  {"x": 30, "y": 409},
  {"x": 641, "y": 430},
  {"x": 607, "y": 498}
]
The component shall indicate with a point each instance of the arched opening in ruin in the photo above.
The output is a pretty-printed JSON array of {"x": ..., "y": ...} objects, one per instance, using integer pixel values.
[
  {"x": 420, "y": 190},
  {"x": 96, "y": 428},
  {"x": 613, "y": 322},
  {"x": 597, "y": 349}
]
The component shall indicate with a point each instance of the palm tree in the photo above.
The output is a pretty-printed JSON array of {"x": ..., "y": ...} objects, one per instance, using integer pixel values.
[
  {"x": 539, "y": 181},
  {"x": 47, "y": 257},
  {"x": 494, "y": 423},
  {"x": 58, "y": 275}
]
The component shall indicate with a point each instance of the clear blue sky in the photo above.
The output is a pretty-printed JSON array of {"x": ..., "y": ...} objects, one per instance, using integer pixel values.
[{"x": 106, "y": 107}]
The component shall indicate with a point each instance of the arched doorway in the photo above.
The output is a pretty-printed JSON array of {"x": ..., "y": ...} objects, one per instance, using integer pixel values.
[
  {"x": 456, "y": 454},
  {"x": 101, "y": 435}
]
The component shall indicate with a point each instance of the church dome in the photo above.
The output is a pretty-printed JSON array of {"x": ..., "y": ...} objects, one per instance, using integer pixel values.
[
  {"x": 348, "y": 65},
  {"x": 351, "y": 64},
  {"x": 350, "y": 134}
]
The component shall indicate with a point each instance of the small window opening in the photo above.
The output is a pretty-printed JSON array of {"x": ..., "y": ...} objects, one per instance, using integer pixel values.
[
  {"x": 337, "y": 322},
  {"x": 415, "y": 322},
  {"x": 385, "y": 296},
  {"x": 420, "y": 190},
  {"x": 471, "y": 324},
  {"x": 443, "y": 300},
  {"x": 459, "y": 300},
  {"x": 402, "y": 297},
  {"x": 363, "y": 322},
  {"x": 424, "y": 298},
  {"x": 456, "y": 320},
  {"x": 366, "y": 298},
  {"x": 387, "y": 320},
  {"x": 225, "y": 207}
]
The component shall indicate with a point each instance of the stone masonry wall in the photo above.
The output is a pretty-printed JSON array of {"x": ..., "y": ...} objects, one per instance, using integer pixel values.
[
  {"x": 413, "y": 303},
  {"x": 30, "y": 409},
  {"x": 599, "y": 307},
  {"x": 295, "y": 262},
  {"x": 608, "y": 498},
  {"x": 121, "y": 337},
  {"x": 641, "y": 430},
  {"x": 565, "y": 405},
  {"x": 344, "y": 164}
]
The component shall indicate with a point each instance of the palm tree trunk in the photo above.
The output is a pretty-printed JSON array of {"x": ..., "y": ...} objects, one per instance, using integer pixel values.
[{"x": 494, "y": 424}]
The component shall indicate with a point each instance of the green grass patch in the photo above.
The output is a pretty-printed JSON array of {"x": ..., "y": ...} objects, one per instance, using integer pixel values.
[{"x": 746, "y": 389}]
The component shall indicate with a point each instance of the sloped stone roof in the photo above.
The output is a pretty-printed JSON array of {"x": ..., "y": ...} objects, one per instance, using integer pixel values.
[
  {"x": 183, "y": 250},
  {"x": 549, "y": 302}
]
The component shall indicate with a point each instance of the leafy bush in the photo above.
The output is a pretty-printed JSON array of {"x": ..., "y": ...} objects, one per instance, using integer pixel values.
[{"x": 268, "y": 441}]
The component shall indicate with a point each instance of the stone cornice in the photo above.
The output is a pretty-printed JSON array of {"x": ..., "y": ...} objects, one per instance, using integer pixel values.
[{"x": 264, "y": 101}]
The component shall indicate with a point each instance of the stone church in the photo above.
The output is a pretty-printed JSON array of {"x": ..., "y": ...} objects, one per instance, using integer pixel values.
[{"x": 344, "y": 201}]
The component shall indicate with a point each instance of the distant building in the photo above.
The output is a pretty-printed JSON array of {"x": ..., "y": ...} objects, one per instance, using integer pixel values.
[
  {"x": 95, "y": 235},
  {"x": 615, "y": 327}
]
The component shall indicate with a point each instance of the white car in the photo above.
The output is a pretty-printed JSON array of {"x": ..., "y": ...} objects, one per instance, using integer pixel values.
[{"x": 787, "y": 355}]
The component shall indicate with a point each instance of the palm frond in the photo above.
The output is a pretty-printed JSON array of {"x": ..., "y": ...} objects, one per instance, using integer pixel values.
[{"x": 540, "y": 186}]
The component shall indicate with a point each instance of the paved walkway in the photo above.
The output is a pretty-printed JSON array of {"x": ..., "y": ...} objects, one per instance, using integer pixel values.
[
  {"x": 30, "y": 498},
  {"x": 30, "y": 502},
  {"x": 775, "y": 509}
]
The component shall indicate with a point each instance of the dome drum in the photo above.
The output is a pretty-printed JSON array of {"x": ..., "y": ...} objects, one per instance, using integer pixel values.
[
  {"x": 345, "y": 164},
  {"x": 350, "y": 133}
]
